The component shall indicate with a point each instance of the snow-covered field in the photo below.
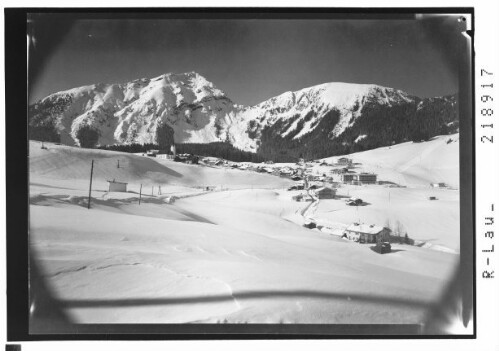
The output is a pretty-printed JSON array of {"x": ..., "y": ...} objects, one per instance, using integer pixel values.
[
  {"x": 232, "y": 256},
  {"x": 433, "y": 222}
]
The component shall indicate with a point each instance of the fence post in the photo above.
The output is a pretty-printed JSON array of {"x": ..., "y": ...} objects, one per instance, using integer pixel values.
[
  {"x": 140, "y": 193},
  {"x": 90, "y": 188}
]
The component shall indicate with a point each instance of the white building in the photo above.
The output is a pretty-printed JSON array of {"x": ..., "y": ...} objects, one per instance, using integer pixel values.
[{"x": 364, "y": 233}]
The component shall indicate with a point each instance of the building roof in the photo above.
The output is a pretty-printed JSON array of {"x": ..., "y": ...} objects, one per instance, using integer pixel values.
[{"x": 365, "y": 228}]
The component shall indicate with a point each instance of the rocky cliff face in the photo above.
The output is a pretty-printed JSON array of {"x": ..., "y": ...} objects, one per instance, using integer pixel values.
[{"x": 131, "y": 112}]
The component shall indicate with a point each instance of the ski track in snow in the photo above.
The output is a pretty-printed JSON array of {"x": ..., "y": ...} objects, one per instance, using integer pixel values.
[
  {"x": 200, "y": 249},
  {"x": 92, "y": 268},
  {"x": 415, "y": 160},
  {"x": 226, "y": 285},
  {"x": 244, "y": 253},
  {"x": 181, "y": 249},
  {"x": 116, "y": 265},
  {"x": 68, "y": 271},
  {"x": 191, "y": 276},
  {"x": 226, "y": 251}
]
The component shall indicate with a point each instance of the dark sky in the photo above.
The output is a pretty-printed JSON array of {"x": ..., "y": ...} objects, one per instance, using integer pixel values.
[{"x": 251, "y": 60}]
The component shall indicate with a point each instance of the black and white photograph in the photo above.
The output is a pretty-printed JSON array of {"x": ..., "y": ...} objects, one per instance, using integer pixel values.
[{"x": 251, "y": 172}]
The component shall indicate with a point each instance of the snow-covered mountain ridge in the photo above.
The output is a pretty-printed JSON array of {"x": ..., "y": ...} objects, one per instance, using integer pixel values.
[
  {"x": 300, "y": 112},
  {"x": 198, "y": 112}
]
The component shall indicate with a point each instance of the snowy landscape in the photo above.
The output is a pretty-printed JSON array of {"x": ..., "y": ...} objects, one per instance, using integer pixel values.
[
  {"x": 263, "y": 173},
  {"x": 231, "y": 242}
]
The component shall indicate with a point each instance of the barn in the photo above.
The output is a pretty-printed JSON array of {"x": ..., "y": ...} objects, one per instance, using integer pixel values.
[
  {"x": 325, "y": 193},
  {"x": 117, "y": 186},
  {"x": 364, "y": 233},
  {"x": 344, "y": 161}
]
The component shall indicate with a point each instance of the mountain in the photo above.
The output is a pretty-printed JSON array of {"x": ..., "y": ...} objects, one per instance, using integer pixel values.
[
  {"x": 131, "y": 112},
  {"x": 293, "y": 115},
  {"x": 318, "y": 121},
  {"x": 340, "y": 119}
]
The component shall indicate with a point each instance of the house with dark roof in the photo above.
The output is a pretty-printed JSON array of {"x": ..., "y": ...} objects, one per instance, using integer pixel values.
[{"x": 325, "y": 192}]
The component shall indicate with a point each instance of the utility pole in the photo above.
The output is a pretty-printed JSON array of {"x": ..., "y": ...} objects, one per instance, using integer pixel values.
[
  {"x": 140, "y": 193},
  {"x": 90, "y": 188},
  {"x": 118, "y": 163}
]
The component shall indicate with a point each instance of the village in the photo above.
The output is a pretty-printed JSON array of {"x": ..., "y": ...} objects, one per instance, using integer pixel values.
[{"x": 317, "y": 180}]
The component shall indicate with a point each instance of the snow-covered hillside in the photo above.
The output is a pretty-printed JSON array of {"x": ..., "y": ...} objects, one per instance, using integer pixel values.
[
  {"x": 231, "y": 256},
  {"x": 70, "y": 166},
  {"x": 300, "y": 112},
  {"x": 413, "y": 164}
]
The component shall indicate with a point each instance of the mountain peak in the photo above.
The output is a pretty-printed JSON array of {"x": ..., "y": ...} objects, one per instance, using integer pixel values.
[{"x": 183, "y": 75}]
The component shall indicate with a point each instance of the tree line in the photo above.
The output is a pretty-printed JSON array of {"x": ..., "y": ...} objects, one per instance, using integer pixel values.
[{"x": 223, "y": 150}]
